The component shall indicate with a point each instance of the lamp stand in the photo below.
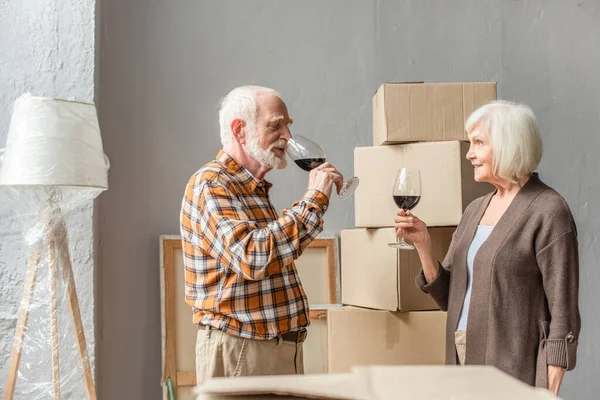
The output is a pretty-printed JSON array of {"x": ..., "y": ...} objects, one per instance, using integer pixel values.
[{"x": 55, "y": 236}]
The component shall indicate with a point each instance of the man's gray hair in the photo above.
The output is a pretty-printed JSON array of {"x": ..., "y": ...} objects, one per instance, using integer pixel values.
[{"x": 240, "y": 103}]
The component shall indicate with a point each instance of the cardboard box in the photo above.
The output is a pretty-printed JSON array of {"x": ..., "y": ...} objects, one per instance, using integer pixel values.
[
  {"x": 412, "y": 112},
  {"x": 288, "y": 387},
  {"x": 447, "y": 184},
  {"x": 359, "y": 337},
  {"x": 377, "y": 276},
  {"x": 315, "y": 347},
  {"x": 381, "y": 383}
]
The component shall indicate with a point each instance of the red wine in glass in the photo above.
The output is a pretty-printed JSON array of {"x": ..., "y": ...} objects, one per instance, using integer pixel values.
[
  {"x": 406, "y": 194},
  {"x": 309, "y": 163},
  {"x": 309, "y": 155},
  {"x": 407, "y": 202}
]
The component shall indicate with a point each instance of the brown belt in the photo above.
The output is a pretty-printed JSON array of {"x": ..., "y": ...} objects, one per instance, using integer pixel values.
[{"x": 294, "y": 336}]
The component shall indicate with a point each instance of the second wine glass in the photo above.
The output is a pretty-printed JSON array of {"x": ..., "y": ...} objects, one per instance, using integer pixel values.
[{"x": 308, "y": 155}]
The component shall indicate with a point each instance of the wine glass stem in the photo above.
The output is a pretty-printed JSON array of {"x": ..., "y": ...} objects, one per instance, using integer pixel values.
[{"x": 401, "y": 239}]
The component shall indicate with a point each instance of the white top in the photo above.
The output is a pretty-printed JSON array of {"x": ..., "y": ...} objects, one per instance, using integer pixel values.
[{"x": 481, "y": 235}]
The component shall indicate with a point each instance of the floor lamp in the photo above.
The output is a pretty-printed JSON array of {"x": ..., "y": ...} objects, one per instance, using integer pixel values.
[{"x": 53, "y": 164}]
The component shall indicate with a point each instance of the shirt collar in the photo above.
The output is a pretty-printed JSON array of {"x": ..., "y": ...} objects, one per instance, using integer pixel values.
[{"x": 245, "y": 176}]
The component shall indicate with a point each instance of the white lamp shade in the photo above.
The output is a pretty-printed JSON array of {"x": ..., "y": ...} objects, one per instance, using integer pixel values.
[{"x": 54, "y": 142}]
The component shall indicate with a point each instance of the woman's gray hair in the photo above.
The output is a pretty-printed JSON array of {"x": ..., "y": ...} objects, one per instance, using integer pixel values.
[
  {"x": 515, "y": 134},
  {"x": 240, "y": 103}
]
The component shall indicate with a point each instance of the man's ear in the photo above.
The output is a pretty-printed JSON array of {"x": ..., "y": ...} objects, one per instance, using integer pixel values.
[{"x": 237, "y": 126}]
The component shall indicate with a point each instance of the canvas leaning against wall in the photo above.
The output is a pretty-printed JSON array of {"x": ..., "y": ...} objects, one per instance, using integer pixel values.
[{"x": 319, "y": 270}]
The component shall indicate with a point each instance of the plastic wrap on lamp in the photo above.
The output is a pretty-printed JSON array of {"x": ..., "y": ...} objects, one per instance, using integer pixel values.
[
  {"x": 54, "y": 142},
  {"x": 53, "y": 152},
  {"x": 53, "y": 357},
  {"x": 53, "y": 164}
]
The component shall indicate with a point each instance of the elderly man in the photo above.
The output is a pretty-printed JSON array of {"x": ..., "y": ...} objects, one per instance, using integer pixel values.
[{"x": 239, "y": 255}]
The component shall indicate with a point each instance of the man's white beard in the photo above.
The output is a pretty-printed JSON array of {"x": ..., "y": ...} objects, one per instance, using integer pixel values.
[{"x": 265, "y": 157}]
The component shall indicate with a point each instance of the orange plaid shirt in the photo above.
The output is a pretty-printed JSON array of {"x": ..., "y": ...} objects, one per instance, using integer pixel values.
[{"x": 239, "y": 255}]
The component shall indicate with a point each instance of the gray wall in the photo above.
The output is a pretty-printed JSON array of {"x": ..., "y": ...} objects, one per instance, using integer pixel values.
[
  {"x": 164, "y": 66},
  {"x": 46, "y": 48}
]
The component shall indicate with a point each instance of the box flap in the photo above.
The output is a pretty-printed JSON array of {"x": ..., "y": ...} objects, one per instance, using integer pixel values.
[
  {"x": 396, "y": 83},
  {"x": 447, "y": 383},
  {"x": 381, "y": 383},
  {"x": 321, "y": 386},
  {"x": 403, "y": 82}
]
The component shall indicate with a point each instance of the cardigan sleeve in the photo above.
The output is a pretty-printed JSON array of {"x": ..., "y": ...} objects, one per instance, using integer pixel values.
[
  {"x": 559, "y": 264},
  {"x": 439, "y": 288}
]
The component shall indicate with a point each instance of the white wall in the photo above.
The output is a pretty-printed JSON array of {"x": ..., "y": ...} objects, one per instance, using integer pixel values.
[{"x": 46, "y": 48}]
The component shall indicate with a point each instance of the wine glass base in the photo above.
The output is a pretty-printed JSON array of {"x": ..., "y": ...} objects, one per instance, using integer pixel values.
[
  {"x": 402, "y": 246},
  {"x": 349, "y": 187}
]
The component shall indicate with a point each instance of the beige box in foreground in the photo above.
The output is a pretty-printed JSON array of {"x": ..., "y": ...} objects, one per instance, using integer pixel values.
[
  {"x": 447, "y": 184},
  {"x": 412, "y": 112},
  {"x": 377, "y": 276},
  {"x": 379, "y": 383},
  {"x": 360, "y": 337}
]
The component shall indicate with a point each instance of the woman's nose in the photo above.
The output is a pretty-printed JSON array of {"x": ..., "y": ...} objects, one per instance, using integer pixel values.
[{"x": 470, "y": 155}]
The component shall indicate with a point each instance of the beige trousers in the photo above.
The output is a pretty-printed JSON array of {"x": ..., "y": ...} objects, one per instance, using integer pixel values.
[
  {"x": 221, "y": 355},
  {"x": 460, "y": 340}
]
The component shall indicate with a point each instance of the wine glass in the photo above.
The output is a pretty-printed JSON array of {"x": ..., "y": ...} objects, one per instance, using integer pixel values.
[
  {"x": 407, "y": 194},
  {"x": 308, "y": 155}
]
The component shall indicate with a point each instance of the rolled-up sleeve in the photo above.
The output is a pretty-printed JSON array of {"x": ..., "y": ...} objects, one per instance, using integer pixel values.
[
  {"x": 438, "y": 288},
  {"x": 559, "y": 265}
]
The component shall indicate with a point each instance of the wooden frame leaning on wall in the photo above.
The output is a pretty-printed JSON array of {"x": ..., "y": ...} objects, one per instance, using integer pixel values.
[{"x": 177, "y": 368}]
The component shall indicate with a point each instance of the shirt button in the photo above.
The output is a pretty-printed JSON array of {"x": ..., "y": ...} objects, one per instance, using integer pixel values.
[
  {"x": 260, "y": 184},
  {"x": 570, "y": 338},
  {"x": 324, "y": 208}
]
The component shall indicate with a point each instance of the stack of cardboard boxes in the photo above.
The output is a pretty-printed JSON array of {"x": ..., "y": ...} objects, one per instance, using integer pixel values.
[{"x": 390, "y": 321}]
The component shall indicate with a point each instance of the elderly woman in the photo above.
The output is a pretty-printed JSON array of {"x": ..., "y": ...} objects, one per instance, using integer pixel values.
[{"x": 510, "y": 279}]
